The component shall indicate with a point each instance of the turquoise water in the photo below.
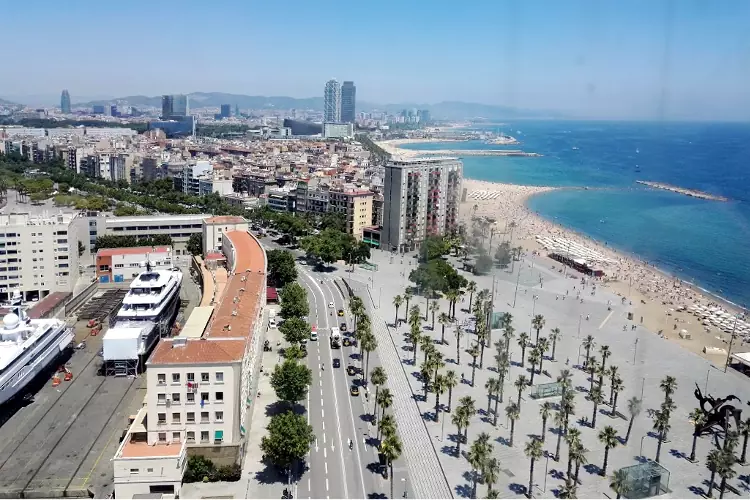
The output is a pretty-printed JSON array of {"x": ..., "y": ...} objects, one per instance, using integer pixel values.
[{"x": 699, "y": 240}]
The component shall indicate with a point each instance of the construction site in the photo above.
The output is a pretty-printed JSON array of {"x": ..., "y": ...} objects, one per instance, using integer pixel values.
[{"x": 58, "y": 440}]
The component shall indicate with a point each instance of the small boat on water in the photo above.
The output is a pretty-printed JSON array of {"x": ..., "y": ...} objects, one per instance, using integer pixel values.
[{"x": 575, "y": 147}]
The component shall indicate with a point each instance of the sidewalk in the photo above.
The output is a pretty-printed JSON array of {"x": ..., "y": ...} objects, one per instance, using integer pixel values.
[{"x": 426, "y": 473}]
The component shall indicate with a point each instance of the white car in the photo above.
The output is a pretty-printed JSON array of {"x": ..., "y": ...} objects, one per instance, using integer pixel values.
[
  {"x": 331, "y": 305},
  {"x": 314, "y": 335}
]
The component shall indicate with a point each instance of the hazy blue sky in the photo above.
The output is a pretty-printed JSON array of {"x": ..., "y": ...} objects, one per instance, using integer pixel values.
[{"x": 597, "y": 58}]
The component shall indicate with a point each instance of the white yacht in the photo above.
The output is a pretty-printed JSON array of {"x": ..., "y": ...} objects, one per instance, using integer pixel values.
[
  {"x": 147, "y": 313},
  {"x": 28, "y": 347}
]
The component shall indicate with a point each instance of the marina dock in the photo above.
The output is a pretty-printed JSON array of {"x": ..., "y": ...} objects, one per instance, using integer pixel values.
[{"x": 687, "y": 192}]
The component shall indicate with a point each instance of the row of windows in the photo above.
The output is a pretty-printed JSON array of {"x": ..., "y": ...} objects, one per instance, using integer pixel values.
[
  {"x": 176, "y": 398},
  {"x": 161, "y": 378},
  {"x": 190, "y": 417}
]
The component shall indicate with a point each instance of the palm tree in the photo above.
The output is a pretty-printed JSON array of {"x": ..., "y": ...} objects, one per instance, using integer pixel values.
[
  {"x": 725, "y": 469},
  {"x": 508, "y": 334},
  {"x": 579, "y": 455},
  {"x": 513, "y": 412},
  {"x": 618, "y": 482},
  {"x": 520, "y": 385},
  {"x": 596, "y": 397},
  {"x": 545, "y": 411},
  {"x": 568, "y": 406},
  {"x": 425, "y": 372},
  {"x": 471, "y": 288},
  {"x": 452, "y": 297},
  {"x": 415, "y": 335},
  {"x": 386, "y": 426},
  {"x": 461, "y": 420},
  {"x": 378, "y": 377},
  {"x": 605, "y": 353},
  {"x": 591, "y": 369},
  {"x": 713, "y": 462},
  {"x": 523, "y": 343},
  {"x": 391, "y": 449},
  {"x": 608, "y": 437},
  {"x": 533, "y": 450},
  {"x": 588, "y": 344},
  {"x": 367, "y": 343},
  {"x": 568, "y": 490},
  {"x": 534, "y": 359},
  {"x": 434, "y": 308},
  {"x": 668, "y": 385},
  {"x": 617, "y": 386},
  {"x": 458, "y": 332},
  {"x": 661, "y": 425},
  {"x": 438, "y": 387},
  {"x": 501, "y": 365},
  {"x": 444, "y": 321},
  {"x": 436, "y": 358},
  {"x": 451, "y": 381},
  {"x": 425, "y": 343},
  {"x": 481, "y": 338},
  {"x": 408, "y": 294},
  {"x": 560, "y": 423},
  {"x": 474, "y": 353},
  {"x": 468, "y": 404},
  {"x": 398, "y": 300},
  {"x": 477, "y": 456},
  {"x": 415, "y": 316},
  {"x": 554, "y": 337},
  {"x": 385, "y": 400},
  {"x": 634, "y": 409},
  {"x": 565, "y": 379},
  {"x": 490, "y": 473},
  {"x": 538, "y": 324},
  {"x": 491, "y": 387},
  {"x": 745, "y": 430},
  {"x": 698, "y": 417},
  {"x": 543, "y": 345},
  {"x": 573, "y": 440},
  {"x": 613, "y": 373}
]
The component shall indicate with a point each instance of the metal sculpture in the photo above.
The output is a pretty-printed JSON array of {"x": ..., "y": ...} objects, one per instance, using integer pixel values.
[{"x": 717, "y": 414}]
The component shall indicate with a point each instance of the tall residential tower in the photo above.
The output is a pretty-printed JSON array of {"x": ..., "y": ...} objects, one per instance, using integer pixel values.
[
  {"x": 65, "y": 102},
  {"x": 421, "y": 199},
  {"x": 174, "y": 106},
  {"x": 348, "y": 102},
  {"x": 332, "y": 102}
]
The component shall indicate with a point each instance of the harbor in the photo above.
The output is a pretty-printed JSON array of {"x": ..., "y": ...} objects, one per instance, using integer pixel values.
[{"x": 687, "y": 192}]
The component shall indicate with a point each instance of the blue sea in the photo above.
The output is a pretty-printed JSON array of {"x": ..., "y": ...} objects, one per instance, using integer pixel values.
[{"x": 697, "y": 240}]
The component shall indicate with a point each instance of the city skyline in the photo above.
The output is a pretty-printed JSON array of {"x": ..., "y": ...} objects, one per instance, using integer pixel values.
[{"x": 583, "y": 58}]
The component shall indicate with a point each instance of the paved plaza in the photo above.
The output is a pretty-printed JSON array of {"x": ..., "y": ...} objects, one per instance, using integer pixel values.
[{"x": 643, "y": 359}]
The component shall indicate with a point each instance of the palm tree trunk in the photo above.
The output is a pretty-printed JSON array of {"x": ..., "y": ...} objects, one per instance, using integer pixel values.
[
  {"x": 437, "y": 405},
  {"x": 395, "y": 324},
  {"x": 367, "y": 366},
  {"x": 481, "y": 357},
  {"x": 537, "y": 336},
  {"x": 519, "y": 397},
  {"x": 658, "y": 446},
  {"x": 588, "y": 351},
  {"x": 544, "y": 429},
  {"x": 711, "y": 484},
  {"x": 531, "y": 380},
  {"x": 414, "y": 354},
  {"x": 606, "y": 459},
  {"x": 473, "y": 371},
  {"x": 554, "y": 347},
  {"x": 471, "y": 298},
  {"x": 433, "y": 321},
  {"x": 531, "y": 478},
  {"x": 523, "y": 357},
  {"x": 614, "y": 405},
  {"x": 458, "y": 351},
  {"x": 559, "y": 440},
  {"x": 391, "y": 466},
  {"x": 489, "y": 402},
  {"x": 744, "y": 447},
  {"x": 442, "y": 335},
  {"x": 593, "y": 417},
  {"x": 459, "y": 438},
  {"x": 722, "y": 486},
  {"x": 541, "y": 360},
  {"x": 570, "y": 466},
  {"x": 512, "y": 430},
  {"x": 630, "y": 428},
  {"x": 578, "y": 470},
  {"x": 475, "y": 480},
  {"x": 375, "y": 408},
  {"x": 494, "y": 421},
  {"x": 450, "y": 399},
  {"x": 502, "y": 390},
  {"x": 692, "y": 450}
]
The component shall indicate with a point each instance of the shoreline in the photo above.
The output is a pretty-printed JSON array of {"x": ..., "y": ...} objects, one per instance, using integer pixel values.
[
  {"x": 654, "y": 294},
  {"x": 391, "y": 147}
]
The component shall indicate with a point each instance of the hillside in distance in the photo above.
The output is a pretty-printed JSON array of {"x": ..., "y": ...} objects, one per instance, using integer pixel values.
[{"x": 446, "y": 110}]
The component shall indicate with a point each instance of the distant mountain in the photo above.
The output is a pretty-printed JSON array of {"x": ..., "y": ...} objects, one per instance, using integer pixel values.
[
  {"x": 447, "y": 110},
  {"x": 3, "y": 102}
]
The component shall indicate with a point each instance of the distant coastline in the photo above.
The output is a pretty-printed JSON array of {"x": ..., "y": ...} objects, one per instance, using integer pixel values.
[
  {"x": 694, "y": 193},
  {"x": 392, "y": 147}
]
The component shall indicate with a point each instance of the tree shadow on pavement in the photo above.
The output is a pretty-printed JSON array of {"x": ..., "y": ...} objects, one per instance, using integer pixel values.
[
  {"x": 279, "y": 407},
  {"x": 464, "y": 490}
]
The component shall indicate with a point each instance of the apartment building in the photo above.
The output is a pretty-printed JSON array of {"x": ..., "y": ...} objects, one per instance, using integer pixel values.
[
  {"x": 421, "y": 198},
  {"x": 39, "y": 254},
  {"x": 179, "y": 227},
  {"x": 189, "y": 181},
  {"x": 116, "y": 265},
  {"x": 198, "y": 388},
  {"x": 214, "y": 229},
  {"x": 356, "y": 206}
]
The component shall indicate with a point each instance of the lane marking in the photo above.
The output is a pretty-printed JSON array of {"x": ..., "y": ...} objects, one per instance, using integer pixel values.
[
  {"x": 324, "y": 438},
  {"x": 322, "y": 413},
  {"x": 606, "y": 319},
  {"x": 324, "y": 425},
  {"x": 326, "y": 485},
  {"x": 325, "y": 454}
]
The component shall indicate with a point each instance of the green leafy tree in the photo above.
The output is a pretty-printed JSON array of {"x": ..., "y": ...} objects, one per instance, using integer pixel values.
[
  {"x": 288, "y": 440},
  {"x": 281, "y": 267},
  {"x": 483, "y": 265},
  {"x": 502, "y": 254},
  {"x": 291, "y": 380},
  {"x": 295, "y": 330},
  {"x": 294, "y": 301}
]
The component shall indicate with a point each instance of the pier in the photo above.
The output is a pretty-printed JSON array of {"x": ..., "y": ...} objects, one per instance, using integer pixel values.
[
  {"x": 476, "y": 152},
  {"x": 687, "y": 192}
]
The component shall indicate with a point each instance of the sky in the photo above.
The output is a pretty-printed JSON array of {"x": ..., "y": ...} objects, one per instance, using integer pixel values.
[{"x": 604, "y": 59}]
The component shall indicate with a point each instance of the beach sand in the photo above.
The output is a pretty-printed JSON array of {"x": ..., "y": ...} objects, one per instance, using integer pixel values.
[
  {"x": 661, "y": 293},
  {"x": 392, "y": 146}
]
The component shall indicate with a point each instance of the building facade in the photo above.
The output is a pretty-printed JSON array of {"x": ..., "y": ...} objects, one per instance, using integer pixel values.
[
  {"x": 348, "y": 102},
  {"x": 117, "y": 265},
  {"x": 421, "y": 198},
  {"x": 332, "y": 102},
  {"x": 65, "y": 102},
  {"x": 174, "y": 106},
  {"x": 39, "y": 254},
  {"x": 338, "y": 130},
  {"x": 214, "y": 229},
  {"x": 356, "y": 207},
  {"x": 179, "y": 227}
]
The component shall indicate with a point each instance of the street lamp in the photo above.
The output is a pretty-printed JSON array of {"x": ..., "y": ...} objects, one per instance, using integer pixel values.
[
  {"x": 640, "y": 453},
  {"x": 580, "y": 317},
  {"x": 403, "y": 480}
]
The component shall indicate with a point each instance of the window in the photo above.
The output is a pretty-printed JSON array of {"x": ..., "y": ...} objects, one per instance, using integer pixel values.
[
  {"x": 218, "y": 437},
  {"x": 204, "y": 417},
  {"x": 204, "y": 436},
  {"x": 150, "y": 470},
  {"x": 191, "y": 377},
  {"x": 161, "y": 378},
  {"x": 220, "y": 397},
  {"x": 176, "y": 438},
  {"x": 219, "y": 377},
  {"x": 204, "y": 397},
  {"x": 161, "y": 399},
  {"x": 176, "y": 398},
  {"x": 162, "y": 418},
  {"x": 190, "y": 437},
  {"x": 191, "y": 417},
  {"x": 162, "y": 437},
  {"x": 134, "y": 471},
  {"x": 175, "y": 378},
  {"x": 175, "y": 418},
  {"x": 191, "y": 397},
  {"x": 219, "y": 416},
  {"x": 204, "y": 378}
]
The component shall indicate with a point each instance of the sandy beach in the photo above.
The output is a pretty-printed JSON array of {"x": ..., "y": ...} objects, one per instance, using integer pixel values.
[
  {"x": 392, "y": 146},
  {"x": 654, "y": 295}
]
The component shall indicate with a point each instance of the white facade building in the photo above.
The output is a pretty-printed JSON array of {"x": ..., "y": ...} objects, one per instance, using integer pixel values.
[
  {"x": 214, "y": 228},
  {"x": 39, "y": 254},
  {"x": 179, "y": 227},
  {"x": 338, "y": 130},
  {"x": 192, "y": 173}
]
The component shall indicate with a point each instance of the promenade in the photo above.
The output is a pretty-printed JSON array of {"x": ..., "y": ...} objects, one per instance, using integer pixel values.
[{"x": 643, "y": 359}]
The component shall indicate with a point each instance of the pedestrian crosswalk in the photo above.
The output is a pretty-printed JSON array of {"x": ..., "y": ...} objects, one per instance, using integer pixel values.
[{"x": 425, "y": 471}]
